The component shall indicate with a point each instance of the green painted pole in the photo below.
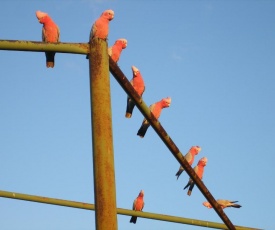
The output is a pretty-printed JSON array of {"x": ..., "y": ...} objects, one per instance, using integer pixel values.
[
  {"x": 16, "y": 45},
  {"x": 102, "y": 136},
  {"x": 128, "y": 88},
  {"x": 126, "y": 212}
]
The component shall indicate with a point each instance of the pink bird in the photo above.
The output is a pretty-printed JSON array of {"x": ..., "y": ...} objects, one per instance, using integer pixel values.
[
  {"x": 190, "y": 156},
  {"x": 199, "y": 169},
  {"x": 100, "y": 28},
  {"x": 155, "y": 110},
  {"x": 137, "y": 205},
  {"x": 50, "y": 33},
  {"x": 138, "y": 84},
  {"x": 223, "y": 204},
  {"x": 115, "y": 50}
]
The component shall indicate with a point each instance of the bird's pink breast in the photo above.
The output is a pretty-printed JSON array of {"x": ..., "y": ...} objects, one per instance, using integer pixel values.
[
  {"x": 51, "y": 32},
  {"x": 139, "y": 204},
  {"x": 139, "y": 85},
  {"x": 102, "y": 28}
]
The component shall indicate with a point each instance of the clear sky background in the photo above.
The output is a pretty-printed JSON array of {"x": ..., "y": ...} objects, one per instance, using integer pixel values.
[{"x": 215, "y": 59}]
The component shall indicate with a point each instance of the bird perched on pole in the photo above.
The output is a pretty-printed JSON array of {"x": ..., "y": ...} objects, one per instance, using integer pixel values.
[
  {"x": 100, "y": 28},
  {"x": 190, "y": 156},
  {"x": 50, "y": 33},
  {"x": 137, "y": 205},
  {"x": 155, "y": 110},
  {"x": 115, "y": 50},
  {"x": 199, "y": 170},
  {"x": 223, "y": 204},
  {"x": 138, "y": 84}
]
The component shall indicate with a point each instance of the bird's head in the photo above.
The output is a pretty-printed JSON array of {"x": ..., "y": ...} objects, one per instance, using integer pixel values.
[
  {"x": 207, "y": 204},
  {"x": 40, "y": 15},
  {"x": 203, "y": 161},
  {"x": 135, "y": 70},
  {"x": 141, "y": 193},
  {"x": 195, "y": 149},
  {"x": 108, "y": 14},
  {"x": 123, "y": 42},
  {"x": 166, "y": 102}
]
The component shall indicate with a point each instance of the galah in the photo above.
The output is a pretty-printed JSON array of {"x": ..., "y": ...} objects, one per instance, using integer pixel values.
[
  {"x": 50, "y": 33},
  {"x": 115, "y": 50},
  {"x": 190, "y": 156},
  {"x": 100, "y": 28},
  {"x": 155, "y": 110},
  {"x": 199, "y": 169},
  {"x": 137, "y": 205},
  {"x": 138, "y": 84},
  {"x": 223, "y": 204}
]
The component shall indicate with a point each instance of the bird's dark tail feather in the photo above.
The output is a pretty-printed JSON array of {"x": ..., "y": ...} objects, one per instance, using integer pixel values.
[
  {"x": 49, "y": 64},
  {"x": 141, "y": 132},
  {"x": 133, "y": 219},
  {"x": 187, "y": 185},
  {"x": 50, "y": 59},
  {"x": 129, "y": 108},
  {"x": 235, "y": 205},
  {"x": 192, "y": 184},
  {"x": 178, "y": 174}
]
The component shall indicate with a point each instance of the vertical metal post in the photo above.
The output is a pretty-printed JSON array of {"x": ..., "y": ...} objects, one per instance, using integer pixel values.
[{"x": 102, "y": 138}]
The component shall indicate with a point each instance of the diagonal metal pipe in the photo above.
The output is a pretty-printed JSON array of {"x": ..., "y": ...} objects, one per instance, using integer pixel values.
[{"x": 128, "y": 88}]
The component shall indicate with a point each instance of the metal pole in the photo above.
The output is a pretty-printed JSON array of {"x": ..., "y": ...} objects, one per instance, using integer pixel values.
[
  {"x": 126, "y": 212},
  {"x": 128, "y": 88},
  {"x": 61, "y": 47},
  {"x": 82, "y": 48},
  {"x": 102, "y": 136}
]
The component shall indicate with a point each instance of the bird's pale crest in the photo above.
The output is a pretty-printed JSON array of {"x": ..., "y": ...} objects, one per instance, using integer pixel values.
[
  {"x": 168, "y": 100},
  {"x": 123, "y": 40},
  {"x": 40, "y": 14},
  {"x": 198, "y": 147},
  {"x": 109, "y": 14},
  {"x": 134, "y": 69},
  {"x": 204, "y": 159}
]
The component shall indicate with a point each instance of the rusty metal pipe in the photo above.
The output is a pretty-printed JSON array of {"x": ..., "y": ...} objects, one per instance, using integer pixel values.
[
  {"x": 34, "y": 46},
  {"x": 128, "y": 88},
  {"x": 121, "y": 211},
  {"x": 102, "y": 136}
]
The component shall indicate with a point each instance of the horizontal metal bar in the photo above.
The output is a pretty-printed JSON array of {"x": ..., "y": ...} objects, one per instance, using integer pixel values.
[
  {"x": 126, "y": 212},
  {"x": 61, "y": 47}
]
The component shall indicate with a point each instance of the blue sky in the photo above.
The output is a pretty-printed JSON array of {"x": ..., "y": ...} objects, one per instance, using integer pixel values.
[{"x": 215, "y": 59}]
